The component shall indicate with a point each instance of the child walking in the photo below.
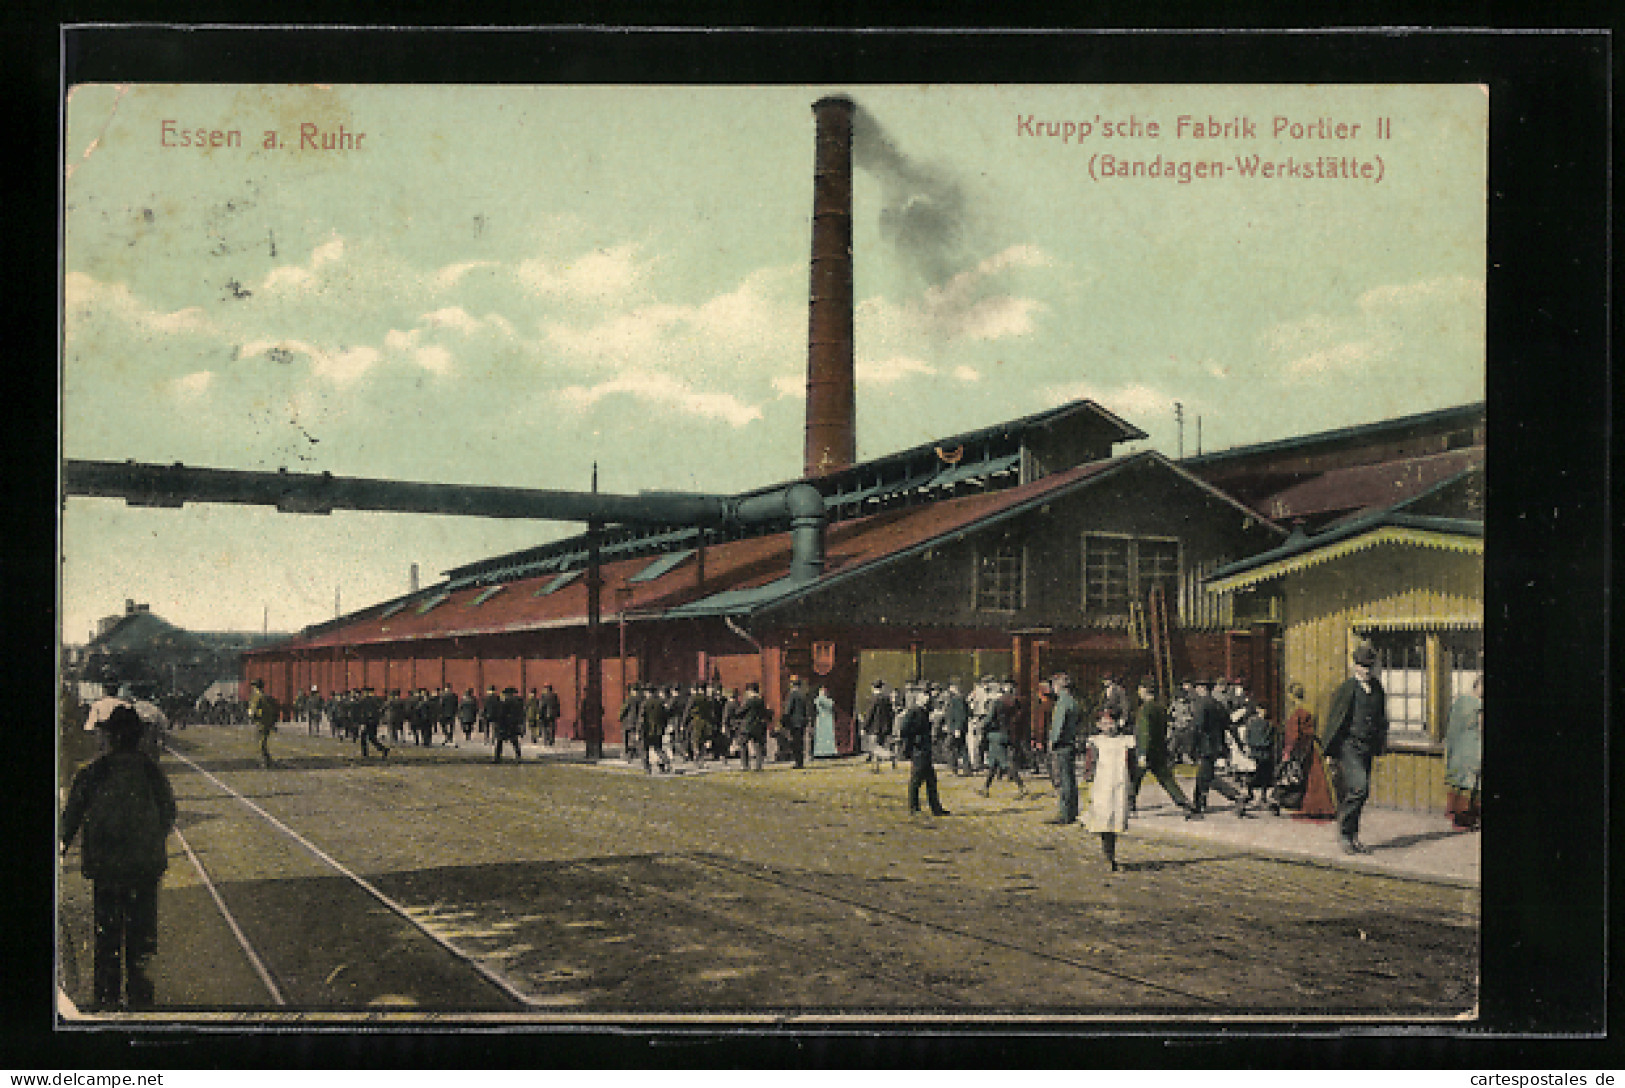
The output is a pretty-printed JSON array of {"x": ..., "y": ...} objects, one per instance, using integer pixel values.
[{"x": 1109, "y": 796}]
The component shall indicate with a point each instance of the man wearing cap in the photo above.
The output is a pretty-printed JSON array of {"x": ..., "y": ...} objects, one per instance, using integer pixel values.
[
  {"x": 956, "y": 720},
  {"x": 547, "y": 705},
  {"x": 126, "y": 809},
  {"x": 1151, "y": 742},
  {"x": 1063, "y": 740},
  {"x": 262, "y": 711},
  {"x": 1356, "y": 734},
  {"x": 509, "y": 723},
  {"x": 796, "y": 717},
  {"x": 915, "y": 731},
  {"x": 877, "y": 727},
  {"x": 1209, "y": 725}
]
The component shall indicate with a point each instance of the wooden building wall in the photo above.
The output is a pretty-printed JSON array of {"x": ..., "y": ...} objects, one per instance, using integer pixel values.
[
  {"x": 937, "y": 588},
  {"x": 1327, "y": 608}
]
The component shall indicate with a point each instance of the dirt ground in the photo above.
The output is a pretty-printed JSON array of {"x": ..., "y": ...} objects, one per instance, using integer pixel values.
[{"x": 555, "y": 889}]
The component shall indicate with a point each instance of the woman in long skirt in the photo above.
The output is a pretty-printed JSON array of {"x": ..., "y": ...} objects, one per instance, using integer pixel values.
[
  {"x": 1301, "y": 745},
  {"x": 1109, "y": 795},
  {"x": 824, "y": 725},
  {"x": 1464, "y": 757}
]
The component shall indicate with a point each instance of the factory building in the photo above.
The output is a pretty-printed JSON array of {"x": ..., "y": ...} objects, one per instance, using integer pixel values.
[{"x": 1014, "y": 550}]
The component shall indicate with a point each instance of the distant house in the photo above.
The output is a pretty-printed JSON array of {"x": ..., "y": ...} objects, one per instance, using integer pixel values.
[{"x": 140, "y": 647}]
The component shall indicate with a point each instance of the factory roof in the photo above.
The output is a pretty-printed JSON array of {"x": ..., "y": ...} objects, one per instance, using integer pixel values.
[
  {"x": 729, "y": 578},
  {"x": 1369, "y": 487},
  {"x": 1440, "y": 419},
  {"x": 982, "y": 459}
]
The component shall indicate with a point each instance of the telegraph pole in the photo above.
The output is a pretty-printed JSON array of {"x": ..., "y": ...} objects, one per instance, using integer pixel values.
[
  {"x": 1179, "y": 421},
  {"x": 592, "y": 699}
]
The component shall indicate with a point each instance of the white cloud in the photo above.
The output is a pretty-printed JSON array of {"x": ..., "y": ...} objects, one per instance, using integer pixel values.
[
  {"x": 664, "y": 391},
  {"x": 964, "y": 308},
  {"x": 434, "y": 358},
  {"x": 967, "y": 374},
  {"x": 196, "y": 384},
  {"x": 1444, "y": 313},
  {"x": 600, "y": 275},
  {"x": 744, "y": 327},
  {"x": 450, "y": 275},
  {"x": 293, "y": 277},
  {"x": 1131, "y": 399},
  {"x": 891, "y": 370},
  {"x": 455, "y": 317},
  {"x": 341, "y": 367},
  {"x": 790, "y": 385},
  {"x": 85, "y": 297},
  {"x": 996, "y": 317},
  {"x": 1337, "y": 357}
]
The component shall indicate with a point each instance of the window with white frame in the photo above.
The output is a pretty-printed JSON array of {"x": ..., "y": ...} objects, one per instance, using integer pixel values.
[
  {"x": 999, "y": 577},
  {"x": 1465, "y": 650},
  {"x": 1118, "y": 569},
  {"x": 1402, "y": 672}
]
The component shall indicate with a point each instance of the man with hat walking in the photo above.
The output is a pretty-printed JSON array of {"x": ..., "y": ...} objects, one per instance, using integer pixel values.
[
  {"x": 796, "y": 717},
  {"x": 126, "y": 809},
  {"x": 262, "y": 711},
  {"x": 1063, "y": 740},
  {"x": 1210, "y": 724},
  {"x": 1356, "y": 734},
  {"x": 509, "y": 723}
]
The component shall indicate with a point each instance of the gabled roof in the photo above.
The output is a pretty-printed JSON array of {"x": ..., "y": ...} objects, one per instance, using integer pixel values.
[
  {"x": 1384, "y": 527},
  {"x": 739, "y": 576}
]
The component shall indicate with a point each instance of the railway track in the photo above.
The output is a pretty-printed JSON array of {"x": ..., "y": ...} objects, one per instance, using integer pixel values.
[{"x": 826, "y": 944}]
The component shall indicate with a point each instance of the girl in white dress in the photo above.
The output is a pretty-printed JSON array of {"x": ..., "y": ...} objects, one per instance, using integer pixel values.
[{"x": 1109, "y": 796}]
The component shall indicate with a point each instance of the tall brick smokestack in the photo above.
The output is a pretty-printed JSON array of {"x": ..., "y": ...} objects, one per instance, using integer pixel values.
[{"x": 831, "y": 441}]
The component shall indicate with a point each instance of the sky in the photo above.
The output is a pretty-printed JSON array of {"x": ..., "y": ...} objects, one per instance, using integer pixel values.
[{"x": 505, "y": 285}]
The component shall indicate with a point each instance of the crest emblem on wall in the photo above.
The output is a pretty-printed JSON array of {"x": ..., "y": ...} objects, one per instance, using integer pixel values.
[{"x": 823, "y": 657}]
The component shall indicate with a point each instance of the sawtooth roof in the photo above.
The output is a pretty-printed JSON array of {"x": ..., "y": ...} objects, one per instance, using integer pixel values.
[{"x": 740, "y": 576}]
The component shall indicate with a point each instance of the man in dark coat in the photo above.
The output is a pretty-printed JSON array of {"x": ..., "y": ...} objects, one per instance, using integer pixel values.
[
  {"x": 915, "y": 732},
  {"x": 654, "y": 712},
  {"x": 1151, "y": 742},
  {"x": 797, "y": 717},
  {"x": 701, "y": 724},
  {"x": 752, "y": 716},
  {"x": 1210, "y": 723},
  {"x": 877, "y": 728},
  {"x": 468, "y": 712},
  {"x": 632, "y": 722},
  {"x": 1063, "y": 740},
  {"x": 1356, "y": 734},
  {"x": 369, "y": 711},
  {"x": 547, "y": 706},
  {"x": 126, "y": 807},
  {"x": 508, "y": 724},
  {"x": 956, "y": 720}
]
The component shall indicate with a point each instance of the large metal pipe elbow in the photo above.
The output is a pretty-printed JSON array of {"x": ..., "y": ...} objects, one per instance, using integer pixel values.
[
  {"x": 807, "y": 522},
  {"x": 803, "y": 506}
]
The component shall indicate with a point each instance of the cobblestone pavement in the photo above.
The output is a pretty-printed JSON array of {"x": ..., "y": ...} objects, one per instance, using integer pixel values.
[{"x": 556, "y": 889}]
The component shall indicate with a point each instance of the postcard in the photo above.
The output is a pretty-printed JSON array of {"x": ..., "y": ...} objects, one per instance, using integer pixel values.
[{"x": 833, "y": 556}]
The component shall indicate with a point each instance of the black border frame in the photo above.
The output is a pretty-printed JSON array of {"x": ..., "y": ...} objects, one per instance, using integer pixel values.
[{"x": 1548, "y": 559}]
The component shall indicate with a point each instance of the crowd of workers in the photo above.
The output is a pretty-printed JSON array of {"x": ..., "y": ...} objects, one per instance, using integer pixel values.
[{"x": 120, "y": 804}]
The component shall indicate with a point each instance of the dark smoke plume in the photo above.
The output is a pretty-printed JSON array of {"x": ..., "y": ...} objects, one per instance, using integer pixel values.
[{"x": 923, "y": 211}]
